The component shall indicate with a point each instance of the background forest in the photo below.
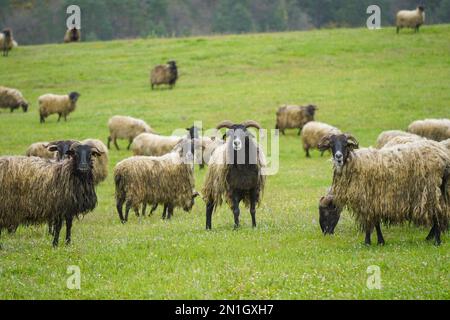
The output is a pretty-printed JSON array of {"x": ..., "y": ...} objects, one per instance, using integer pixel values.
[{"x": 43, "y": 21}]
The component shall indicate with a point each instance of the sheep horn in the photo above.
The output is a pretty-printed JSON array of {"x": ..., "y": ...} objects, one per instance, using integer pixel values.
[
  {"x": 353, "y": 142},
  {"x": 225, "y": 124},
  {"x": 252, "y": 124}
]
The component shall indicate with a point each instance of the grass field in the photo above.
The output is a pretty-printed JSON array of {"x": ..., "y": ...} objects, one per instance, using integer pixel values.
[{"x": 363, "y": 81}]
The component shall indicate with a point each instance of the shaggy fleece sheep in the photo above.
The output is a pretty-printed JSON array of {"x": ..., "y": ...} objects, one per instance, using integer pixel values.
[
  {"x": 12, "y": 99},
  {"x": 313, "y": 132},
  {"x": 123, "y": 127},
  {"x": 294, "y": 117},
  {"x": 164, "y": 74},
  {"x": 149, "y": 144},
  {"x": 434, "y": 129},
  {"x": 410, "y": 19},
  {"x": 39, "y": 149},
  {"x": 387, "y": 136},
  {"x": 100, "y": 163},
  {"x": 62, "y": 105}
]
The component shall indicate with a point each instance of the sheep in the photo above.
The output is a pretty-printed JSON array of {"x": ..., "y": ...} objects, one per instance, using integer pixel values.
[
  {"x": 446, "y": 144},
  {"x": 329, "y": 214},
  {"x": 434, "y": 129},
  {"x": 123, "y": 127},
  {"x": 100, "y": 163},
  {"x": 235, "y": 172},
  {"x": 387, "y": 136},
  {"x": 313, "y": 132},
  {"x": 72, "y": 35},
  {"x": 39, "y": 149},
  {"x": 164, "y": 74},
  {"x": 149, "y": 144},
  {"x": 391, "y": 185},
  {"x": 403, "y": 140},
  {"x": 63, "y": 105},
  {"x": 411, "y": 19},
  {"x": 35, "y": 190},
  {"x": 12, "y": 99},
  {"x": 292, "y": 117},
  {"x": 209, "y": 145},
  {"x": 6, "y": 41},
  {"x": 168, "y": 179}
]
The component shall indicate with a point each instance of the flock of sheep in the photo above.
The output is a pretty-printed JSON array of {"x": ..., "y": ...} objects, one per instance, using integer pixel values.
[{"x": 406, "y": 178}]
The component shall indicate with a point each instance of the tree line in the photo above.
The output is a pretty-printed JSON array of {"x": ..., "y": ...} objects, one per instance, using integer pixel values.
[{"x": 44, "y": 21}]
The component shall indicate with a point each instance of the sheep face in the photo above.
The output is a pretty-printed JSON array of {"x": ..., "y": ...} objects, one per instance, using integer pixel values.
[
  {"x": 329, "y": 215},
  {"x": 61, "y": 148},
  {"x": 24, "y": 106},
  {"x": 311, "y": 110},
  {"x": 7, "y": 33},
  {"x": 74, "y": 96},
  {"x": 190, "y": 203},
  {"x": 341, "y": 146},
  {"x": 421, "y": 8},
  {"x": 82, "y": 155}
]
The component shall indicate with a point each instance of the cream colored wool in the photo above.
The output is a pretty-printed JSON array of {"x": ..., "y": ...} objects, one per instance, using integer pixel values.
[
  {"x": 313, "y": 132},
  {"x": 55, "y": 104},
  {"x": 166, "y": 179},
  {"x": 215, "y": 188},
  {"x": 410, "y": 18},
  {"x": 210, "y": 145},
  {"x": 394, "y": 185},
  {"x": 387, "y": 136},
  {"x": 148, "y": 144},
  {"x": 123, "y": 127},
  {"x": 434, "y": 129},
  {"x": 39, "y": 149},
  {"x": 403, "y": 140}
]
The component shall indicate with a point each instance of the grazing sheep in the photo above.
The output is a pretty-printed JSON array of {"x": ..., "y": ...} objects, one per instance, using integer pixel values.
[
  {"x": 293, "y": 117},
  {"x": 235, "y": 172},
  {"x": 100, "y": 163},
  {"x": 313, "y": 133},
  {"x": 434, "y": 129},
  {"x": 72, "y": 35},
  {"x": 6, "y": 41},
  {"x": 123, "y": 127},
  {"x": 329, "y": 214},
  {"x": 167, "y": 180},
  {"x": 149, "y": 144},
  {"x": 387, "y": 136},
  {"x": 36, "y": 191},
  {"x": 392, "y": 185},
  {"x": 62, "y": 105},
  {"x": 164, "y": 74},
  {"x": 411, "y": 19},
  {"x": 12, "y": 99}
]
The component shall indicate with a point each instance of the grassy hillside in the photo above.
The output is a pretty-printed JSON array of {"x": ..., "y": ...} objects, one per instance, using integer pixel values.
[{"x": 363, "y": 81}]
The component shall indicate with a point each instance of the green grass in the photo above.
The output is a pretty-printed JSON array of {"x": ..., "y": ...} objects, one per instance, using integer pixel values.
[{"x": 363, "y": 81}]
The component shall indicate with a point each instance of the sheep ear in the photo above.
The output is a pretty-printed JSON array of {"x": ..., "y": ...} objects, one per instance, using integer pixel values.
[
  {"x": 195, "y": 195},
  {"x": 352, "y": 142},
  {"x": 96, "y": 153},
  {"x": 51, "y": 148},
  {"x": 325, "y": 143}
]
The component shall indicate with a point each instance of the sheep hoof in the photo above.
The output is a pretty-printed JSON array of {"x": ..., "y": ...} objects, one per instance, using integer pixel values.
[
  {"x": 123, "y": 221},
  {"x": 381, "y": 243},
  {"x": 437, "y": 243}
]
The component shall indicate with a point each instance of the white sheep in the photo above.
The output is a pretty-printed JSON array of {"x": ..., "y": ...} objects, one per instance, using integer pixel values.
[
  {"x": 149, "y": 144},
  {"x": 62, "y": 105},
  {"x": 40, "y": 150},
  {"x": 123, "y": 127},
  {"x": 387, "y": 136},
  {"x": 411, "y": 19},
  {"x": 314, "y": 132}
]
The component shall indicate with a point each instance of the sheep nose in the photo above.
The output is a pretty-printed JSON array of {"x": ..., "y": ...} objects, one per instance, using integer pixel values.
[
  {"x": 339, "y": 155},
  {"x": 237, "y": 144}
]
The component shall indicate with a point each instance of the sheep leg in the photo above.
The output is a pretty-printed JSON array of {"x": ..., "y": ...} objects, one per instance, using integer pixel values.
[
  {"x": 307, "y": 152},
  {"x": 65, "y": 117},
  {"x": 68, "y": 230},
  {"x": 209, "y": 212},
  {"x": 368, "y": 233},
  {"x": 164, "y": 215},
  {"x": 127, "y": 210},
  {"x": 437, "y": 232},
  {"x": 253, "y": 200},
  {"x": 59, "y": 116},
  {"x": 379, "y": 235},
  {"x": 136, "y": 211},
  {"x": 119, "y": 206},
  {"x": 430, "y": 236},
  {"x": 115, "y": 143},
  {"x": 42, "y": 119},
  {"x": 109, "y": 142},
  {"x": 236, "y": 200},
  {"x": 170, "y": 211},
  {"x": 398, "y": 30},
  {"x": 155, "y": 206},
  {"x": 299, "y": 132},
  {"x": 144, "y": 208},
  {"x": 57, "y": 225},
  {"x": 129, "y": 144}
]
